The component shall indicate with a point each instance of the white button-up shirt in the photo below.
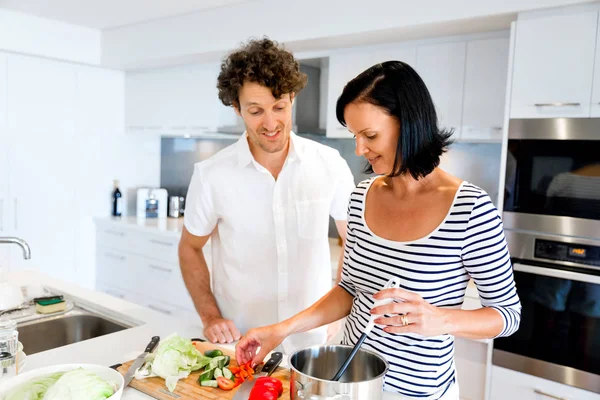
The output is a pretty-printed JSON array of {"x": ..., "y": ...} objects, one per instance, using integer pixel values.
[{"x": 270, "y": 251}]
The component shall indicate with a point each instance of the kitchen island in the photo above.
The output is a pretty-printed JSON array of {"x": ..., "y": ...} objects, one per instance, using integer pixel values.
[{"x": 124, "y": 345}]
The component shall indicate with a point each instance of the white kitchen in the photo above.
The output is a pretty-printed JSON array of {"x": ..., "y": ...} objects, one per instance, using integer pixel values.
[{"x": 105, "y": 108}]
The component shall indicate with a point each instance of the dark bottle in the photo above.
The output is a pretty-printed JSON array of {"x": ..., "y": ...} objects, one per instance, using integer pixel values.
[{"x": 117, "y": 200}]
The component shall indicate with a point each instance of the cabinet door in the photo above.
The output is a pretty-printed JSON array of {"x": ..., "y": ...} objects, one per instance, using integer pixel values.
[
  {"x": 99, "y": 124},
  {"x": 342, "y": 68},
  {"x": 41, "y": 96},
  {"x": 485, "y": 89},
  {"x": 4, "y": 195},
  {"x": 595, "y": 106},
  {"x": 442, "y": 67},
  {"x": 553, "y": 66},
  {"x": 181, "y": 100}
]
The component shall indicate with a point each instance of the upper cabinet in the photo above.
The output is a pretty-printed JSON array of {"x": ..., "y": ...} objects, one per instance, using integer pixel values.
[
  {"x": 486, "y": 72},
  {"x": 595, "y": 106},
  {"x": 173, "y": 101},
  {"x": 466, "y": 79},
  {"x": 442, "y": 67},
  {"x": 553, "y": 66}
]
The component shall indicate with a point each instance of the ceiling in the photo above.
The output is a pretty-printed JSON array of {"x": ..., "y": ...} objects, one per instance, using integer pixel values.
[{"x": 106, "y": 14}]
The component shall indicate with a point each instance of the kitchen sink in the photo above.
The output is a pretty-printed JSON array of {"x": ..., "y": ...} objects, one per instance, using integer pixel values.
[{"x": 75, "y": 326}]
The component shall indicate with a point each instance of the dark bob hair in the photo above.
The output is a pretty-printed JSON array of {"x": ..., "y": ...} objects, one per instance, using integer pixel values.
[{"x": 398, "y": 90}]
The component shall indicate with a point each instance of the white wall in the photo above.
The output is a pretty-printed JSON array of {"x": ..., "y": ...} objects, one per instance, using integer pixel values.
[
  {"x": 215, "y": 31},
  {"x": 27, "y": 34}
]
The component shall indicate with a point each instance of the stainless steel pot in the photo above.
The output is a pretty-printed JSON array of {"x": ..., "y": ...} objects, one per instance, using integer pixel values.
[{"x": 313, "y": 368}]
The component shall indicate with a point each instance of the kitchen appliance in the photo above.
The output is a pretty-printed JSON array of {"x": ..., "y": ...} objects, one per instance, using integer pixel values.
[
  {"x": 392, "y": 283},
  {"x": 270, "y": 366},
  {"x": 152, "y": 203},
  {"x": 176, "y": 206},
  {"x": 137, "y": 363},
  {"x": 551, "y": 216},
  {"x": 312, "y": 369}
]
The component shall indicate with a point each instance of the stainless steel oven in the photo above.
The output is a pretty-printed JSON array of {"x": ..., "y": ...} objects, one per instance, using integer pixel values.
[{"x": 551, "y": 214}]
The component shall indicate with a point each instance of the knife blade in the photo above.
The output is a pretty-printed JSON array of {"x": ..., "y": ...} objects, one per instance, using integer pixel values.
[
  {"x": 270, "y": 366},
  {"x": 140, "y": 360}
]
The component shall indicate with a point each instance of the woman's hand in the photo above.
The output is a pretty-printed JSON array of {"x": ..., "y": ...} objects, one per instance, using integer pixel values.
[
  {"x": 266, "y": 338},
  {"x": 411, "y": 315}
]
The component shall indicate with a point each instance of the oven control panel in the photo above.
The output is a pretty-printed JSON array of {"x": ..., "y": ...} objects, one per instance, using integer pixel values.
[{"x": 560, "y": 251}]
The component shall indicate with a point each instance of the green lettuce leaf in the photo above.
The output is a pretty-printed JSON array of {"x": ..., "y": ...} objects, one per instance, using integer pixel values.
[
  {"x": 80, "y": 384},
  {"x": 34, "y": 389}
]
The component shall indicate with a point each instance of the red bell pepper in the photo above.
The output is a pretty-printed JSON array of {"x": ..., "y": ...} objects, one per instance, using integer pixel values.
[{"x": 266, "y": 388}]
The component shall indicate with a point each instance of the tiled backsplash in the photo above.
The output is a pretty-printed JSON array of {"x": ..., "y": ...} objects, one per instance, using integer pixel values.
[{"x": 477, "y": 163}]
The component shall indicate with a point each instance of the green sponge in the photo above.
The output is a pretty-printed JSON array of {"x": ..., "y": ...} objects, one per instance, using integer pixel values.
[{"x": 50, "y": 305}]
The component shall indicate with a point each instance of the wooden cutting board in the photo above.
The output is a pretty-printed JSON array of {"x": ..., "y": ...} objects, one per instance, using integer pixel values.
[{"x": 189, "y": 388}]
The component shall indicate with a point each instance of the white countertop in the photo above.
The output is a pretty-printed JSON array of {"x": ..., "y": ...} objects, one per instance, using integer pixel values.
[
  {"x": 166, "y": 226},
  {"x": 113, "y": 348}
]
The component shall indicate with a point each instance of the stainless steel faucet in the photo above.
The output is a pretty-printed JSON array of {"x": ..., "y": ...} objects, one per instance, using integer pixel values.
[{"x": 20, "y": 242}]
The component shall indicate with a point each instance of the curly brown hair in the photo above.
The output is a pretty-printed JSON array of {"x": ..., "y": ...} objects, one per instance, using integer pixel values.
[{"x": 262, "y": 61}]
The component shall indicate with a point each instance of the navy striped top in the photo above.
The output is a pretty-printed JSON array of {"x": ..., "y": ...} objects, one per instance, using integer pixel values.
[{"x": 469, "y": 243}]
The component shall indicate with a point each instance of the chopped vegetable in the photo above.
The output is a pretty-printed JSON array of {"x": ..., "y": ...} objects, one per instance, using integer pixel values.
[
  {"x": 175, "y": 358},
  {"x": 218, "y": 373},
  {"x": 213, "y": 353},
  {"x": 266, "y": 388},
  {"x": 211, "y": 383},
  {"x": 217, "y": 362},
  {"x": 227, "y": 373},
  {"x": 206, "y": 375},
  {"x": 227, "y": 360},
  {"x": 224, "y": 383}
]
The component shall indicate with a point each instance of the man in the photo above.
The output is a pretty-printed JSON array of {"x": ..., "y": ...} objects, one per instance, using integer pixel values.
[{"x": 265, "y": 203}]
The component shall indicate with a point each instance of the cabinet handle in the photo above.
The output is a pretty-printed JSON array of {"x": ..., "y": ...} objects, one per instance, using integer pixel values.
[
  {"x": 118, "y": 295},
  {"x": 158, "y": 268},
  {"x": 536, "y": 391},
  {"x": 557, "y": 104},
  {"x": 114, "y": 256},
  {"x": 116, "y": 233},
  {"x": 161, "y": 310},
  {"x": 170, "y": 244}
]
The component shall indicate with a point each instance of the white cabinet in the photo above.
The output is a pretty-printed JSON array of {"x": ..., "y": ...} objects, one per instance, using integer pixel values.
[
  {"x": 346, "y": 66},
  {"x": 342, "y": 68},
  {"x": 40, "y": 113},
  {"x": 175, "y": 101},
  {"x": 595, "y": 106},
  {"x": 509, "y": 384},
  {"x": 553, "y": 66},
  {"x": 485, "y": 89},
  {"x": 143, "y": 267},
  {"x": 442, "y": 68},
  {"x": 4, "y": 168}
]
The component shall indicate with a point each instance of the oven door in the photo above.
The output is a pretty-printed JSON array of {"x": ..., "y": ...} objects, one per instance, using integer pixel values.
[
  {"x": 552, "y": 179},
  {"x": 559, "y": 335}
]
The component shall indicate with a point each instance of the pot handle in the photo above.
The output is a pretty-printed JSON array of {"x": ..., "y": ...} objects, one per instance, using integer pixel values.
[{"x": 302, "y": 393}]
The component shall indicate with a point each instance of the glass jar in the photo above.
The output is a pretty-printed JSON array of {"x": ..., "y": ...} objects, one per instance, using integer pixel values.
[{"x": 9, "y": 348}]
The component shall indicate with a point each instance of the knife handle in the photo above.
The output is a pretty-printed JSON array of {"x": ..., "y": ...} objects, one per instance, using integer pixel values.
[
  {"x": 152, "y": 345},
  {"x": 271, "y": 365}
]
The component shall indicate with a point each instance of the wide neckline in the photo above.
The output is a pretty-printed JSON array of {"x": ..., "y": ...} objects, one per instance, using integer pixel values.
[{"x": 437, "y": 228}]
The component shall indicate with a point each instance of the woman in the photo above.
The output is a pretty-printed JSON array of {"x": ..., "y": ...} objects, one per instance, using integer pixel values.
[{"x": 416, "y": 222}]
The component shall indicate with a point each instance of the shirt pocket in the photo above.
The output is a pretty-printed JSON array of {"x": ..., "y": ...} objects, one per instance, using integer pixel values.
[{"x": 313, "y": 218}]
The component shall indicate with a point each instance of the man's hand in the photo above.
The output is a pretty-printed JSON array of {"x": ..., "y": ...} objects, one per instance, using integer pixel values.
[{"x": 220, "y": 330}]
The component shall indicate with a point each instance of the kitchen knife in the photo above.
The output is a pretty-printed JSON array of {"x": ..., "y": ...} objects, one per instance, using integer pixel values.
[
  {"x": 140, "y": 360},
  {"x": 270, "y": 366}
]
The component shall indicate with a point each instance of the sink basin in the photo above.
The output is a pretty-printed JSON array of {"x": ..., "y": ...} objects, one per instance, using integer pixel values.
[{"x": 63, "y": 330}]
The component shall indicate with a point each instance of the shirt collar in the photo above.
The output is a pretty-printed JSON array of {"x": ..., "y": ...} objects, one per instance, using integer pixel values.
[{"x": 245, "y": 156}]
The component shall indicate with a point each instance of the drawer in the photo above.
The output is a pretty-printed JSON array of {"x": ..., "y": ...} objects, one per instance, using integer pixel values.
[
  {"x": 115, "y": 237},
  {"x": 116, "y": 268},
  {"x": 168, "y": 309},
  {"x": 163, "y": 281},
  {"x": 158, "y": 247},
  {"x": 509, "y": 384},
  {"x": 115, "y": 292}
]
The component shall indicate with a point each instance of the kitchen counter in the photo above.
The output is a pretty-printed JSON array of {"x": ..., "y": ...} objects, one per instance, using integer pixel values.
[{"x": 117, "y": 347}]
